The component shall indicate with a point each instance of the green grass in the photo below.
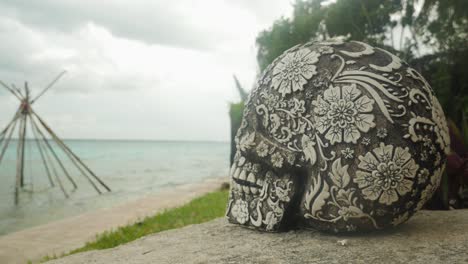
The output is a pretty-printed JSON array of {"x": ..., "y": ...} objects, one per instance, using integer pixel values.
[{"x": 197, "y": 211}]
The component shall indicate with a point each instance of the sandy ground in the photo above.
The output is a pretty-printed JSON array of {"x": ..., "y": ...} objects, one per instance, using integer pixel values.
[{"x": 64, "y": 235}]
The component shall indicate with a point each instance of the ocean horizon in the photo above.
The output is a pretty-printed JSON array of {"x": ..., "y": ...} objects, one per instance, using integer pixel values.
[{"x": 131, "y": 168}]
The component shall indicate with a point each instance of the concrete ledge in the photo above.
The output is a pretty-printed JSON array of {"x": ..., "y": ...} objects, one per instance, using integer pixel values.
[{"x": 429, "y": 237}]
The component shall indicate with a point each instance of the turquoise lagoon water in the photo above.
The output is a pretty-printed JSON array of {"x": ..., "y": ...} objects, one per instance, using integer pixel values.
[{"x": 132, "y": 169}]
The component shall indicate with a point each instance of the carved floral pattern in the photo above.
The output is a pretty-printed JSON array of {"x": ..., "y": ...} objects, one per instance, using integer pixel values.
[
  {"x": 246, "y": 142},
  {"x": 419, "y": 126},
  {"x": 431, "y": 187},
  {"x": 343, "y": 113},
  {"x": 339, "y": 196},
  {"x": 347, "y": 153},
  {"x": 366, "y": 141},
  {"x": 277, "y": 160},
  {"x": 386, "y": 173},
  {"x": 293, "y": 71},
  {"x": 441, "y": 128},
  {"x": 285, "y": 119},
  {"x": 382, "y": 133},
  {"x": 240, "y": 211},
  {"x": 262, "y": 149}
]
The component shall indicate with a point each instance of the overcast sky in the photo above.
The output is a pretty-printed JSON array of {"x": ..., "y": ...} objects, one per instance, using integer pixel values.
[{"x": 141, "y": 69}]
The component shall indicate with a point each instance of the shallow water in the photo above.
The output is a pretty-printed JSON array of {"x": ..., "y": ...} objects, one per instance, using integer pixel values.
[{"x": 132, "y": 169}]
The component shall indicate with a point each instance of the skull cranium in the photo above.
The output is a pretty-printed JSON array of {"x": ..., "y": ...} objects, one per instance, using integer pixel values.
[{"x": 338, "y": 136}]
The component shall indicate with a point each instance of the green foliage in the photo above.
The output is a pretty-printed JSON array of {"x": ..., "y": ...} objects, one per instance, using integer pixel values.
[
  {"x": 197, "y": 211},
  {"x": 443, "y": 25},
  {"x": 235, "y": 112},
  {"x": 365, "y": 20},
  {"x": 202, "y": 209}
]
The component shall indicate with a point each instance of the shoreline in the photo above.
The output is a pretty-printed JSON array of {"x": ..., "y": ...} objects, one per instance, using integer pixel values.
[{"x": 61, "y": 236}]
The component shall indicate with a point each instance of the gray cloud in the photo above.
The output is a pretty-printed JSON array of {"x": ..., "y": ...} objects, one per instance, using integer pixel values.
[
  {"x": 17, "y": 43},
  {"x": 29, "y": 55},
  {"x": 266, "y": 11},
  {"x": 137, "y": 69},
  {"x": 155, "y": 22}
]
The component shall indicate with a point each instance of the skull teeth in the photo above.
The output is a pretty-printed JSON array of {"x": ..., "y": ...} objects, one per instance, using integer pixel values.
[
  {"x": 244, "y": 181},
  {"x": 236, "y": 173},
  {"x": 251, "y": 178},
  {"x": 243, "y": 177},
  {"x": 233, "y": 168}
]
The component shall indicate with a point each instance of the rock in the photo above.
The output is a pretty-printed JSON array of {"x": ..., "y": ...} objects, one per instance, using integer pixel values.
[
  {"x": 338, "y": 136},
  {"x": 429, "y": 237}
]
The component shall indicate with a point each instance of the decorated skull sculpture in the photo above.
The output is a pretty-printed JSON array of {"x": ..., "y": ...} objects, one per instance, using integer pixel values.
[{"x": 337, "y": 136}]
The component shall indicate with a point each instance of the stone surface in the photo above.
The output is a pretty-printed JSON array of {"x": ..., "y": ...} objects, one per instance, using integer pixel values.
[
  {"x": 429, "y": 237},
  {"x": 338, "y": 136}
]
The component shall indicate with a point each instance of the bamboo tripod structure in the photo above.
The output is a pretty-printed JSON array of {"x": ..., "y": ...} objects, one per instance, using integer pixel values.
[{"x": 51, "y": 161}]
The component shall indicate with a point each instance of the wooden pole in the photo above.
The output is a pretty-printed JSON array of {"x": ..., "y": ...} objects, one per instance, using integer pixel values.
[
  {"x": 55, "y": 155},
  {"x": 46, "y": 149},
  {"x": 11, "y": 91},
  {"x": 5, "y": 147},
  {"x": 77, "y": 165},
  {"x": 41, "y": 152},
  {"x": 70, "y": 151},
  {"x": 17, "y": 90},
  {"x": 23, "y": 147},
  {"x": 8, "y": 139},
  {"x": 12, "y": 122},
  {"x": 47, "y": 155},
  {"x": 71, "y": 157},
  {"x": 4, "y": 132},
  {"x": 25, "y": 113},
  {"x": 57, "y": 176},
  {"x": 16, "y": 116},
  {"x": 19, "y": 159},
  {"x": 48, "y": 86}
]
